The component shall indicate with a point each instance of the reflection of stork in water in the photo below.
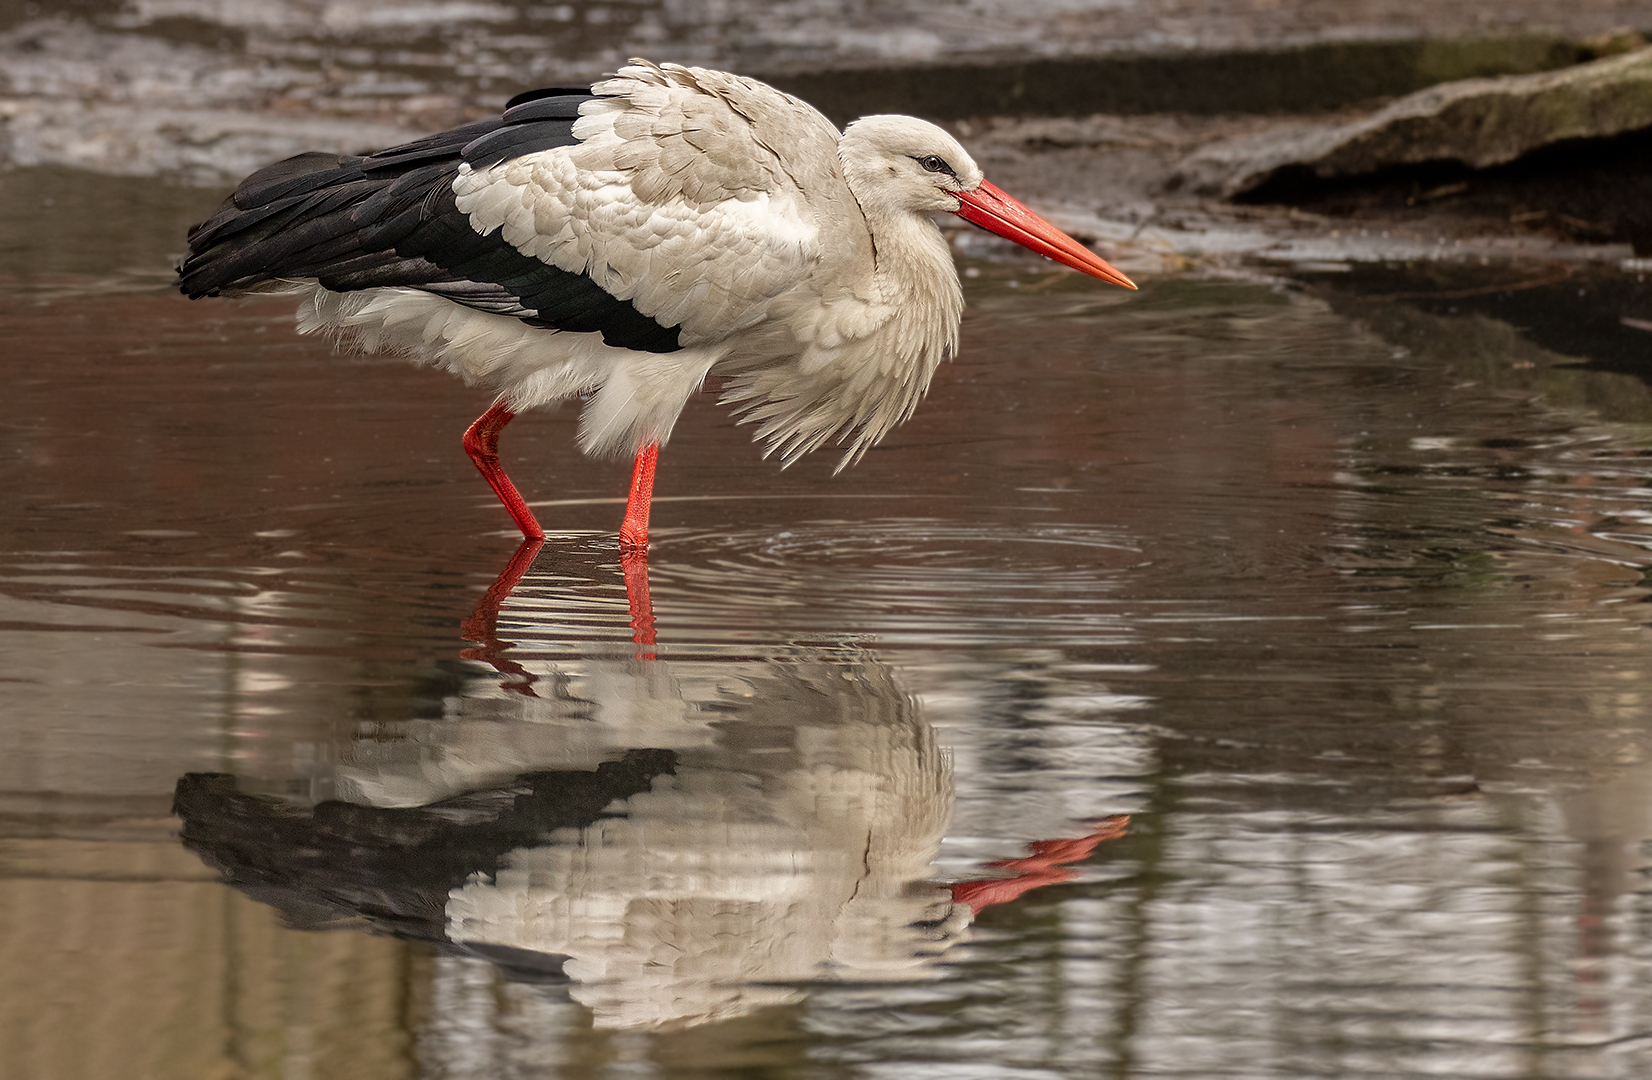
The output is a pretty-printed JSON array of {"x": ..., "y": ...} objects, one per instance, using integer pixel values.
[
  {"x": 680, "y": 840},
  {"x": 643, "y": 885}
]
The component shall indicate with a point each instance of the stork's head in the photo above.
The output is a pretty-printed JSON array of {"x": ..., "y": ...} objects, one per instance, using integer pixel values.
[{"x": 901, "y": 165}]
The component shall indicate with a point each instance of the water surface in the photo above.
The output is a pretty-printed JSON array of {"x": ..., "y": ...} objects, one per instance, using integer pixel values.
[{"x": 1339, "y": 603}]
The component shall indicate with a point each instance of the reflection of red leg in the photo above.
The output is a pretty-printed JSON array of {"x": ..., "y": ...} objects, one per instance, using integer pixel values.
[
  {"x": 634, "y": 530},
  {"x": 1043, "y": 867},
  {"x": 635, "y": 566},
  {"x": 482, "y": 444},
  {"x": 483, "y": 625}
]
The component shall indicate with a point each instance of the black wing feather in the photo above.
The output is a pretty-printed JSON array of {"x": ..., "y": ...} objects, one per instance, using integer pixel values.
[
  {"x": 389, "y": 219},
  {"x": 516, "y": 140},
  {"x": 298, "y": 174},
  {"x": 560, "y": 105},
  {"x": 582, "y": 93},
  {"x": 431, "y": 148}
]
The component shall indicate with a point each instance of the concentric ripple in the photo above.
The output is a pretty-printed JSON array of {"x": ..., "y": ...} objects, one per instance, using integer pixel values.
[{"x": 902, "y": 581}]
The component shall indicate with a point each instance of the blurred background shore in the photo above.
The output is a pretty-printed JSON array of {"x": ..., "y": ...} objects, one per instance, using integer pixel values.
[{"x": 1165, "y": 131}]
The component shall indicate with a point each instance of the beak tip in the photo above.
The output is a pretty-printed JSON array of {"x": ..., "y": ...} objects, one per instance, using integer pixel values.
[
  {"x": 1117, "y": 278},
  {"x": 1112, "y": 276}
]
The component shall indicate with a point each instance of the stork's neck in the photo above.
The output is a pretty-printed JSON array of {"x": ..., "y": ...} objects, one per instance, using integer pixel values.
[{"x": 913, "y": 272}]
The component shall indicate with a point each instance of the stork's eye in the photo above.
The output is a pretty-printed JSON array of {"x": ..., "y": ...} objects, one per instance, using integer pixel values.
[{"x": 933, "y": 164}]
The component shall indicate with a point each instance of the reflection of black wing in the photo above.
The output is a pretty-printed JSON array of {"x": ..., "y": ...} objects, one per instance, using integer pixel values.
[
  {"x": 340, "y": 863},
  {"x": 389, "y": 219}
]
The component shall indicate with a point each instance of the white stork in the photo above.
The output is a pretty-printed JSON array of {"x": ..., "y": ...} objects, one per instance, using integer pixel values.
[{"x": 622, "y": 243}]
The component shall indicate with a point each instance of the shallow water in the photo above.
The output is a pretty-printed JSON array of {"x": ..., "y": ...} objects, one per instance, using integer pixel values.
[{"x": 1339, "y": 601}]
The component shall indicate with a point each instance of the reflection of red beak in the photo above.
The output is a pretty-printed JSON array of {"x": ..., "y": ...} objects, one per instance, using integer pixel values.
[
  {"x": 989, "y": 207},
  {"x": 1042, "y": 867}
]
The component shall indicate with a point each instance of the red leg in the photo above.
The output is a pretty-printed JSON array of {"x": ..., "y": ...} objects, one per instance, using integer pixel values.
[
  {"x": 482, "y": 444},
  {"x": 634, "y": 549},
  {"x": 634, "y": 530}
]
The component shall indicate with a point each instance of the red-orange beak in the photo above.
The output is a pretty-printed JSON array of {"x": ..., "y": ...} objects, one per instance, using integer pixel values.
[{"x": 989, "y": 207}]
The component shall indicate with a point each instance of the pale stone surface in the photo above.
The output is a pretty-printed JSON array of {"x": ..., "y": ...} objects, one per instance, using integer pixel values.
[{"x": 1475, "y": 122}]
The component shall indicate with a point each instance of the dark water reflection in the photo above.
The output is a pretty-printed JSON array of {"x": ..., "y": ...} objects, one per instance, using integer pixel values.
[{"x": 1349, "y": 622}]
